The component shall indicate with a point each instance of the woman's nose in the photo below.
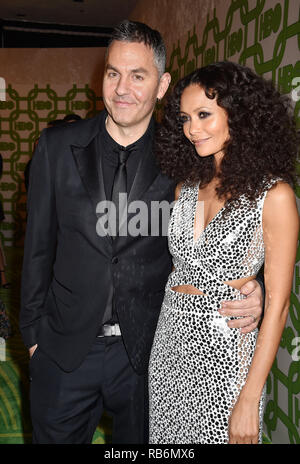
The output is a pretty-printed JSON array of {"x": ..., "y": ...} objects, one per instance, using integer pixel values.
[{"x": 194, "y": 126}]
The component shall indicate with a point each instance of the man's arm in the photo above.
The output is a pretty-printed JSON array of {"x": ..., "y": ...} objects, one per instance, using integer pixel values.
[
  {"x": 250, "y": 309},
  {"x": 40, "y": 243}
]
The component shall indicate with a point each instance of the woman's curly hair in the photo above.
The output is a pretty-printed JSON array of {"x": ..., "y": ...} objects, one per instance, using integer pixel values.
[{"x": 263, "y": 141}]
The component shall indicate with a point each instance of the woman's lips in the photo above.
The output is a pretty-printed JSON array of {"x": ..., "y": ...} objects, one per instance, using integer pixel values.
[{"x": 200, "y": 141}]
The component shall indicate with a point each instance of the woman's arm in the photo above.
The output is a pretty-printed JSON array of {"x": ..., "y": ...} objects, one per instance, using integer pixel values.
[
  {"x": 260, "y": 278},
  {"x": 280, "y": 230}
]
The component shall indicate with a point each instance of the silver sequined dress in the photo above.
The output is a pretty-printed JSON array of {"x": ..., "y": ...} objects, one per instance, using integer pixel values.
[{"x": 198, "y": 365}]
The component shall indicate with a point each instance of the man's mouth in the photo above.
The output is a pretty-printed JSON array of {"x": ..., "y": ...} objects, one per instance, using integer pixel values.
[{"x": 122, "y": 104}]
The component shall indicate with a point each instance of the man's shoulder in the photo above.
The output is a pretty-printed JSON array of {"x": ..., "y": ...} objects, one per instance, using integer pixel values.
[{"x": 75, "y": 133}]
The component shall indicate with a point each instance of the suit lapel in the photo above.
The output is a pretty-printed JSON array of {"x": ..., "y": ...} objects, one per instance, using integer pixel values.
[
  {"x": 146, "y": 174},
  {"x": 87, "y": 160},
  {"x": 147, "y": 169}
]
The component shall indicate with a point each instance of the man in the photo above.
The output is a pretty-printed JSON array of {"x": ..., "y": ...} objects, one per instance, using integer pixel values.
[{"x": 91, "y": 300}]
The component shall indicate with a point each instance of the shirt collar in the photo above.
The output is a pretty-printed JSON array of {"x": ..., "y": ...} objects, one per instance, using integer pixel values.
[{"x": 146, "y": 138}]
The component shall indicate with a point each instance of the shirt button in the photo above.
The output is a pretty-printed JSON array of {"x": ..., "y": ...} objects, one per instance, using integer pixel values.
[{"x": 115, "y": 260}]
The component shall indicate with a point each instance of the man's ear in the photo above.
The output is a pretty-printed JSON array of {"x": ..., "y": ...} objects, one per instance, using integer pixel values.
[{"x": 163, "y": 85}]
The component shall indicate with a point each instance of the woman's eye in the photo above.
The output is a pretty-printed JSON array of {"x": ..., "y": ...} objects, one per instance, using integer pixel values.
[
  {"x": 203, "y": 114},
  {"x": 182, "y": 119}
]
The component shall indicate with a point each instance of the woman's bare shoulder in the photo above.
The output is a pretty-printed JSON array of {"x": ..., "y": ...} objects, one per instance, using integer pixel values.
[
  {"x": 178, "y": 190},
  {"x": 279, "y": 194},
  {"x": 280, "y": 204}
]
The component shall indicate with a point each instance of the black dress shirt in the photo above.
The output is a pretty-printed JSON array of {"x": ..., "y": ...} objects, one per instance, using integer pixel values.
[{"x": 110, "y": 160}]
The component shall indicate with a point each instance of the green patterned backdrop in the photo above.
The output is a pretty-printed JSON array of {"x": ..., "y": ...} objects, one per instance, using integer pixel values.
[
  {"x": 22, "y": 119},
  {"x": 263, "y": 34}
]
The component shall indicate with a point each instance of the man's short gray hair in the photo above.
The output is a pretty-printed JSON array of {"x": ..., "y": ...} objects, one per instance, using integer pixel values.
[{"x": 133, "y": 31}]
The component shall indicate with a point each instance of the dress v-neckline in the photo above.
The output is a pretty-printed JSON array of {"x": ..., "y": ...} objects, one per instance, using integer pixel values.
[{"x": 195, "y": 241}]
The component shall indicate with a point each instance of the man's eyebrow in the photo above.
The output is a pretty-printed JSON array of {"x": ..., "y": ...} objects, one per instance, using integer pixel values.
[
  {"x": 140, "y": 70},
  {"x": 109, "y": 66}
]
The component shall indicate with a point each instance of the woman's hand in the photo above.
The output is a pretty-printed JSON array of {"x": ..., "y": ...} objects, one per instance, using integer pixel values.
[{"x": 244, "y": 422}]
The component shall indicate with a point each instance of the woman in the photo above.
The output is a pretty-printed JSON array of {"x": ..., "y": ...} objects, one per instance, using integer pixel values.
[{"x": 230, "y": 142}]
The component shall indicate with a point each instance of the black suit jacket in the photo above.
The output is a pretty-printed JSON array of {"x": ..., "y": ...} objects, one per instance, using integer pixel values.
[{"x": 67, "y": 265}]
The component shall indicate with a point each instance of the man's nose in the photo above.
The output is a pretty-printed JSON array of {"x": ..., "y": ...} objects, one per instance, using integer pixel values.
[{"x": 122, "y": 87}]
